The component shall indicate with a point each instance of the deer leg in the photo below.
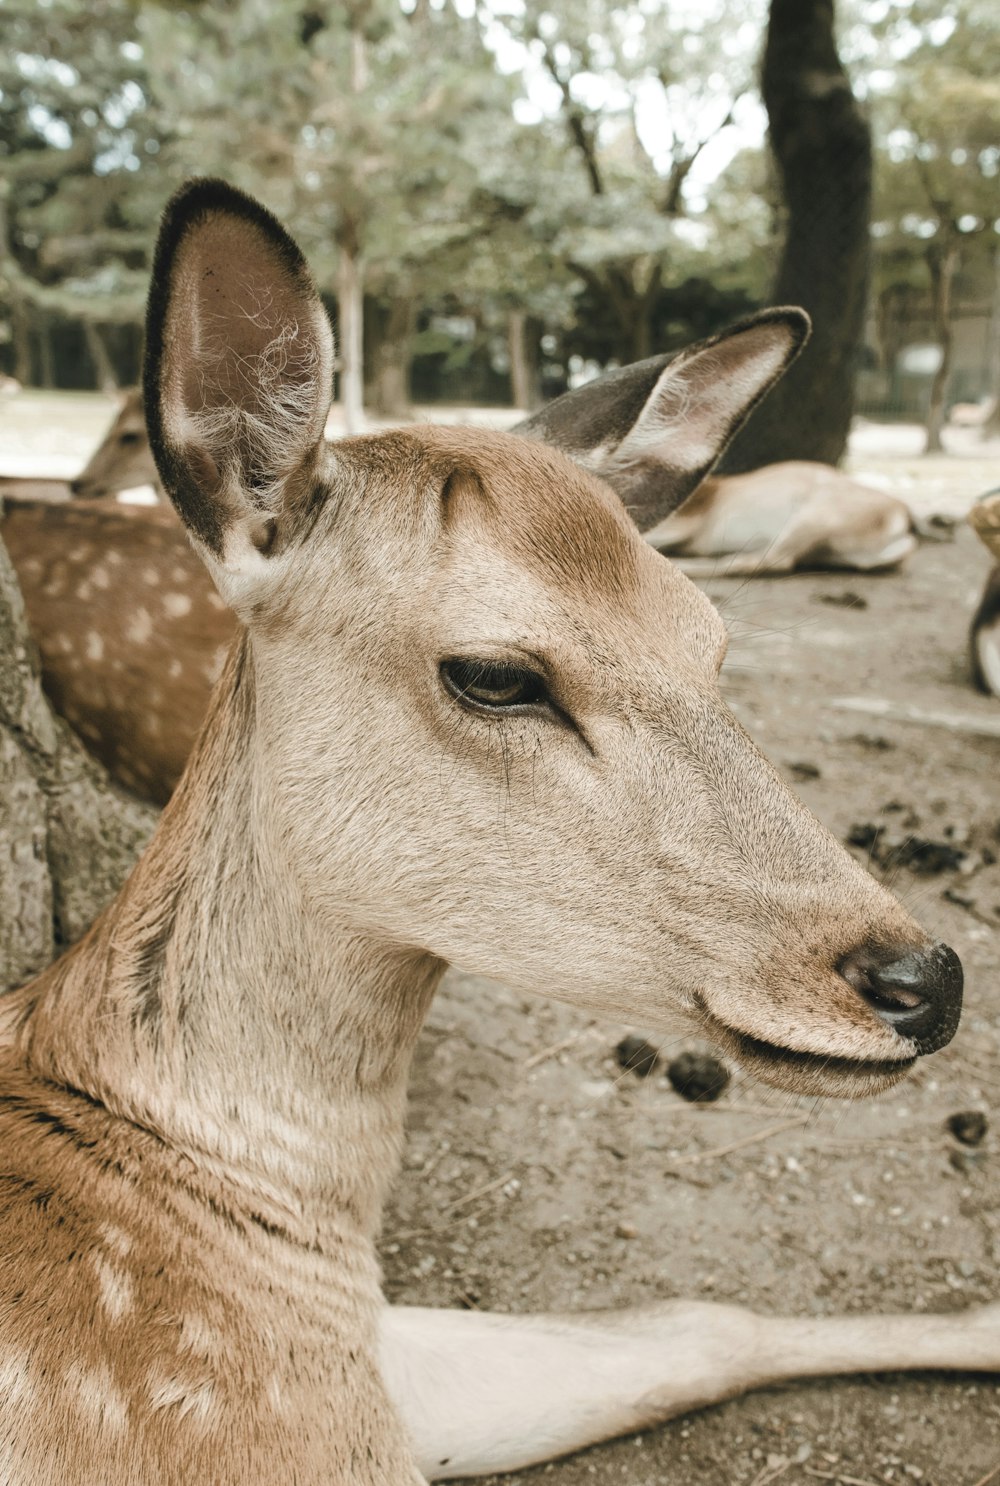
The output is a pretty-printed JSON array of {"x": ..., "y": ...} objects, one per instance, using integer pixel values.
[
  {"x": 480, "y": 1393},
  {"x": 737, "y": 564}
]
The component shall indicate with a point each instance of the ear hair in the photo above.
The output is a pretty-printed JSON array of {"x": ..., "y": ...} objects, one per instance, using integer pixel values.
[{"x": 238, "y": 366}]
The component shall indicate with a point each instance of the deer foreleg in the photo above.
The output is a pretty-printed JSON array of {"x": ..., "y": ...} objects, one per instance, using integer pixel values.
[{"x": 481, "y": 1393}]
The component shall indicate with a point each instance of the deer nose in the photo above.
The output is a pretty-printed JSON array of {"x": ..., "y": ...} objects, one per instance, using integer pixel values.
[
  {"x": 918, "y": 993},
  {"x": 75, "y": 486}
]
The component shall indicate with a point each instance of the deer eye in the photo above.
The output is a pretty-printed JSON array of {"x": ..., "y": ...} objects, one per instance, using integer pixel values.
[
  {"x": 492, "y": 685},
  {"x": 129, "y": 438}
]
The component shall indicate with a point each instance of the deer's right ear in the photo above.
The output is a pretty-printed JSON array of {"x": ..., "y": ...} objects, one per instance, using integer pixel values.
[
  {"x": 654, "y": 430},
  {"x": 237, "y": 378}
]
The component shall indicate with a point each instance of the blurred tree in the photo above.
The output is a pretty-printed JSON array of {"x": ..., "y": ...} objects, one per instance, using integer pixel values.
[
  {"x": 76, "y": 210},
  {"x": 625, "y": 100},
  {"x": 356, "y": 122},
  {"x": 822, "y": 147},
  {"x": 937, "y": 202}
]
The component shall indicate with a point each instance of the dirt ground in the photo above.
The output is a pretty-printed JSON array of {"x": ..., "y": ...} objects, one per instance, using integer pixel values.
[{"x": 529, "y": 1153}]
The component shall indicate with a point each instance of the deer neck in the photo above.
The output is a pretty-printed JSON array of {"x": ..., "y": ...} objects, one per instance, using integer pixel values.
[{"x": 209, "y": 1006}]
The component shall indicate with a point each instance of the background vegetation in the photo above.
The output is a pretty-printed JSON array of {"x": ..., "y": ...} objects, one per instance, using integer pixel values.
[{"x": 496, "y": 195}]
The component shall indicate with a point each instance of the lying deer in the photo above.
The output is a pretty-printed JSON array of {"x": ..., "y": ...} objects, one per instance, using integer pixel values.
[
  {"x": 788, "y": 516},
  {"x": 984, "y": 636},
  {"x": 202, "y": 1103}
]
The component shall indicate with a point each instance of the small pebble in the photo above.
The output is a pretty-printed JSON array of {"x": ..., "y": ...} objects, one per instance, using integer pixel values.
[
  {"x": 637, "y": 1056},
  {"x": 969, "y": 1126},
  {"x": 626, "y": 1230},
  {"x": 698, "y": 1077}
]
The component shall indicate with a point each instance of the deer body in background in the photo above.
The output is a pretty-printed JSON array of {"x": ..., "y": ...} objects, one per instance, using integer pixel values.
[
  {"x": 201, "y": 1104},
  {"x": 131, "y": 631},
  {"x": 788, "y": 516}
]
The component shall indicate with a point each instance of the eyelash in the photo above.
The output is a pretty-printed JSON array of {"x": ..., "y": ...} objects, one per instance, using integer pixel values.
[{"x": 513, "y": 688}]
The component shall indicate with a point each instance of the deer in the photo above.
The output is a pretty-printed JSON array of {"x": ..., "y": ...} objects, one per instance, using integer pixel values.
[
  {"x": 984, "y": 633},
  {"x": 131, "y": 631},
  {"x": 123, "y": 459},
  {"x": 787, "y": 517},
  {"x": 470, "y": 718}
]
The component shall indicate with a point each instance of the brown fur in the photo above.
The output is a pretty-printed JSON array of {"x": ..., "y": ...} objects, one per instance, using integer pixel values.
[{"x": 132, "y": 634}]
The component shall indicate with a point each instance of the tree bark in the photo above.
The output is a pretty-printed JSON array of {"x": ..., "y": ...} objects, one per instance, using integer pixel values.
[
  {"x": 390, "y": 385},
  {"x": 822, "y": 146},
  {"x": 46, "y": 361},
  {"x": 523, "y": 335},
  {"x": 991, "y": 428},
  {"x": 350, "y": 322},
  {"x": 104, "y": 371},
  {"x": 68, "y": 837},
  {"x": 942, "y": 260},
  {"x": 21, "y": 334}
]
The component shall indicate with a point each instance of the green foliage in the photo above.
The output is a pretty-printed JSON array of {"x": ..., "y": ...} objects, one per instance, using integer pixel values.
[{"x": 597, "y": 165}]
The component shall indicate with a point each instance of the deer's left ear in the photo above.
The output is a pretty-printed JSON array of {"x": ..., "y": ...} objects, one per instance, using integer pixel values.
[
  {"x": 237, "y": 378},
  {"x": 655, "y": 429}
]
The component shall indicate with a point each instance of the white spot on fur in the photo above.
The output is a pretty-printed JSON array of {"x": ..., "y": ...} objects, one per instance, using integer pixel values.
[
  {"x": 96, "y": 1396},
  {"x": 175, "y": 669},
  {"x": 177, "y": 605},
  {"x": 198, "y": 1337},
  {"x": 115, "y": 1239},
  {"x": 141, "y": 627},
  {"x": 95, "y": 646},
  {"x": 116, "y": 1288},
  {"x": 15, "y": 1378},
  {"x": 101, "y": 578},
  {"x": 150, "y": 576},
  {"x": 114, "y": 558},
  {"x": 195, "y": 1401},
  {"x": 85, "y": 593},
  {"x": 213, "y": 670}
]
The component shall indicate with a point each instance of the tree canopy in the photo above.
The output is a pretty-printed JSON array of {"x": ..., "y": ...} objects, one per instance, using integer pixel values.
[{"x": 543, "y": 182}]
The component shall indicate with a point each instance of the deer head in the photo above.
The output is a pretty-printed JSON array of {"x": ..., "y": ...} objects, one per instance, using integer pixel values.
[
  {"x": 122, "y": 460},
  {"x": 484, "y": 720}
]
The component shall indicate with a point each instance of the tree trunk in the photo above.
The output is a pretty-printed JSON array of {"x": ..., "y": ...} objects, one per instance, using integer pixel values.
[
  {"x": 21, "y": 334},
  {"x": 523, "y": 336},
  {"x": 991, "y": 428},
  {"x": 68, "y": 838},
  {"x": 46, "y": 362},
  {"x": 942, "y": 260},
  {"x": 104, "y": 371},
  {"x": 350, "y": 322},
  {"x": 390, "y": 385},
  {"x": 822, "y": 146}
]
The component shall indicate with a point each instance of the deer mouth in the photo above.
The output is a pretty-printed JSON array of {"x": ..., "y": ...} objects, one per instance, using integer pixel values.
[{"x": 808, "y": 1072}]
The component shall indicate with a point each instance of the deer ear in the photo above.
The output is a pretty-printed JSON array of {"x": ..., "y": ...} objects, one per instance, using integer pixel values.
[
  {"x": 237, "y": 377},
  {"x": 655, "y": 429}
]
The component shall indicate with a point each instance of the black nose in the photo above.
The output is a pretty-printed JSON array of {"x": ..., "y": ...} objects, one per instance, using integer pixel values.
[
  {"x": 919, "y": 992},
  {"x": 75, "y": 486}
]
